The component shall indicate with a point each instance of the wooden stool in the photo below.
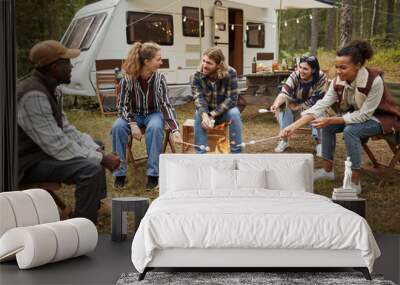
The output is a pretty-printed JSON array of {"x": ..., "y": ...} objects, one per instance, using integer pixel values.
[
  {"x": 215, "y": 136},
  {"x": 120, "y": 207},
  {"x": 384, "y": 170}
]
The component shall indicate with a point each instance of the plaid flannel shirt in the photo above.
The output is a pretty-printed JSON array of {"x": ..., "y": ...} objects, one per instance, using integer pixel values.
[
  {"x": 218, "y": 97},
  {"x": 129, "y": 105},
  {"x": 305, "y": 93}
]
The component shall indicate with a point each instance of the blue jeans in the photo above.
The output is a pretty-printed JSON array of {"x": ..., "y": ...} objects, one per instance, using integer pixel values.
[
  {"x": 353, "y": 135},
  {"x": 154, "y": 137},
  {"x": 286, "y": 117},
  {"x": 235, "y": 130}
]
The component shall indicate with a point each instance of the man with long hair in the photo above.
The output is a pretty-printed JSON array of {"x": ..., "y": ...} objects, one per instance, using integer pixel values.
[{"x": 215, "y": 91}]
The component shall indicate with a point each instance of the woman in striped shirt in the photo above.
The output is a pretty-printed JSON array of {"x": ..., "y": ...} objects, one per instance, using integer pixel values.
[
  {"x": 145, "y": 106},
  {"x": 303, "y": 88}
]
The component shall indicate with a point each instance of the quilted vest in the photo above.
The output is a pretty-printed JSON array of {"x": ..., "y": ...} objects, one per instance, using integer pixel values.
[
  {"x": 387, "y": 112},
  {"x": 29, "y": 153}
]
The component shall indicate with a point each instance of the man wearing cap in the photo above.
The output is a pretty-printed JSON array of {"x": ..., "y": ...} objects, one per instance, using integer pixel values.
[{"x": 50, "y": 149}]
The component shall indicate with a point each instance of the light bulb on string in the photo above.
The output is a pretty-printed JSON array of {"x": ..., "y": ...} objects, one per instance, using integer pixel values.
[
  {"x": 259, "y": 27},
  {"x": 247, "y": 27},
  {"x": 201, "y": 23},
  {"x": 184, "y": 19},
  {"x": 232, "y": 27},
  {"x": 285, "y": 24},
  {"x": 310, "y": 17},
  {"x": 297, "y": 20}
]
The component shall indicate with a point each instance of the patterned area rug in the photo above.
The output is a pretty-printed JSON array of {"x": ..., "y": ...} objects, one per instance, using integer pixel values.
[{"x": 242, "y": 278}]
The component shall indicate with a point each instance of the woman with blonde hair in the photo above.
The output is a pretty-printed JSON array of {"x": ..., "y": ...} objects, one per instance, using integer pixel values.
[
  {"x": 215, "y": 91},
  {"x": 144, "y": 105}
]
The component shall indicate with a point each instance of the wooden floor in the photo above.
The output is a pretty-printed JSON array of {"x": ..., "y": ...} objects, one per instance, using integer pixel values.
[{"x": 110, "y": 260}]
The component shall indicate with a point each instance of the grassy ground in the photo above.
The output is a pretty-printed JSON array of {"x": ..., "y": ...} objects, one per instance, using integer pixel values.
[{"x": 383, "y": 204}]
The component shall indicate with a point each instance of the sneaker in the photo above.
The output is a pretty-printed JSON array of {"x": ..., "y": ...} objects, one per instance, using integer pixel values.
[
  {"x": 318, "y": 150},
  {"x": 322, "y": 174},
  {"x": 356, "y": 187},
  {"x": 282, "y": 145},
  {"x": 119, "y": 182},
  {"x": 152, "y": 183}
]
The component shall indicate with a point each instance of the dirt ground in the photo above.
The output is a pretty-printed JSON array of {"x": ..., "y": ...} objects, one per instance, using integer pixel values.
[{"x": 383, "y": 204}]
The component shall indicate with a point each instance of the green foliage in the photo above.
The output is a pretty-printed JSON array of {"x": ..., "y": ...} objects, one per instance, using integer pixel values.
[{"x": 39, "y": 20}]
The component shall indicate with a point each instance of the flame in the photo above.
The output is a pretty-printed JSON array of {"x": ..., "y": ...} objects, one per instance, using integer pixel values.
[{"x": 222, "y": 146}]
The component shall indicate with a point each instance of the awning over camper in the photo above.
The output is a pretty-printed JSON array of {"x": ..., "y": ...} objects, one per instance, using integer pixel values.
[{"x": 286, "y": 4}]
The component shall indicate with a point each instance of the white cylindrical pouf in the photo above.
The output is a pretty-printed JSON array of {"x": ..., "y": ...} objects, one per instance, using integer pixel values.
[
  {"x": 67, "y": 239},
  {"x": 45, "y": 206},
  {"x": 7, "y": 217},
  {"x": 34, "y": 246},
  {"x": 23, "y": 208},
  {"x": 87, "y": 234}
]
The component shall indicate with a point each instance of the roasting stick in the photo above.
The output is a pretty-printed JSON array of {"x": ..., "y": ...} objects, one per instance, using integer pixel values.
[
  {"x": 202, "y": 147},
  {"x": 252, "y": 142}
]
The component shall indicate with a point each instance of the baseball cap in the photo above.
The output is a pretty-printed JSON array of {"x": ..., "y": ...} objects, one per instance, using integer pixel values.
[{"x": 49, "y": 51}]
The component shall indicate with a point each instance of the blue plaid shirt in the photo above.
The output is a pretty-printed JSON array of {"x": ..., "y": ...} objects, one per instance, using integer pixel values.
[{"x": 218, "y": 96}]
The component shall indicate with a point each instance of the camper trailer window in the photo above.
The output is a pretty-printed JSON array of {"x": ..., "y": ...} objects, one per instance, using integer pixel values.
[
  {"x": 78, "y": 32},
  {"x": 92, "y": 31},
  {"x": 255, "y": 35},
  {"x": 190, "y": 22},
  {"x": 82, "y": 31},
  {"x": 149, "y": 27}
]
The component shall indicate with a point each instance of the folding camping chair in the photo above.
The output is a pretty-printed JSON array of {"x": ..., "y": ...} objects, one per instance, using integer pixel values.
[
  {"x": 107, "y": 86},
  {"x": 382, "y": 170}
]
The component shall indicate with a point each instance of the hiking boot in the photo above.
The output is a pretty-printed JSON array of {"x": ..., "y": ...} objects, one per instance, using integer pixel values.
[
  {"x": 152, "y": 183},
  {"x": 321, "y": 174},
  {"x": 119, "y": 182},
  {"x": 282, "y": 145}
]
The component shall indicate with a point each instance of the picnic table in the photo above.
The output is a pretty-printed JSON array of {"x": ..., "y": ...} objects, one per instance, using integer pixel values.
[{"x": 262, "y": 87}]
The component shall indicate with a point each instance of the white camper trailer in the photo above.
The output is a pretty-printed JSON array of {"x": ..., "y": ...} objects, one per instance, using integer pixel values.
[{"x": 105, "y": 30}]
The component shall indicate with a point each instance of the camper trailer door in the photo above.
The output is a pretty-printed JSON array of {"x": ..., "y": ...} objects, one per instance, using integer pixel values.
[{"x": 221, "y": 29}]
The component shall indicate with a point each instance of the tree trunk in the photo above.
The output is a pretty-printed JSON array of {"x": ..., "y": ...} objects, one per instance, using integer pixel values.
[
  {"x": 389, "y": 23},
  {"x": 330, "y": 28},
  {"x": 314, "y": 31},
  {"x": 377, "y": 16},
  {"x": 373, "y": 20},
  {"x": 345, "y": 23},
  {"x": 361, "y": 19}
]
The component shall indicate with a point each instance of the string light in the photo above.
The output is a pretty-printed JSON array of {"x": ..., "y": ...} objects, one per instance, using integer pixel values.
[
  {"x": 285, "y": 24},
  {"x": 184, "y": 18},
  {"x": 310, "y": 17},
  {"x": 201, "y": 23},
  {"x": 247, "y": 27},
  {"x": 297, "y": 20},
  {"x": 259, "y": 27},
  {"x": 232, "y": 27}
]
